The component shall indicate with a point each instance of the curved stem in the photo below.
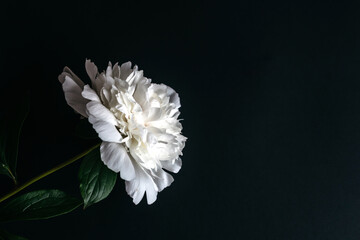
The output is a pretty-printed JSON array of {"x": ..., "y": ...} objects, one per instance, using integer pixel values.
[{"x": 35, "y": 179}]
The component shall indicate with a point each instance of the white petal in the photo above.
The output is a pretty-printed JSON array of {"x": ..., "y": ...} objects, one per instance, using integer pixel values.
[
  {"x": 140, "y": 94},
  {"x": 173, "y": 165},
  {"x": 69, "y": 73},
  {"x": 105, "y": 96},
  {"x": 162, "y": 179},
  {"x": 135, "y": 189},
  {"x": 109, "y": 70},
  {"x": 73, "y": 94},
  {"x": 140, "y": 184},
  {"x": 121, "y": 84},
  {"x": 116, "y": 71},
  {"x": 91, "y": 69},
  {"x": 90, "y": 94},
  {"x": 125, "y": 70},
  {"x": 108, "y": 81},
  {"x": 174, "y": 97},
  {"x": 147, "y": 181},
  {"x": 154, "y": 114},
  {"x": 117, "y": 159},
  {"x": 139, "y": 75},
  {"x": 107, "y": 132},
  {"x": 100, "y": 112},
  {"x": 151, "y": 196}
]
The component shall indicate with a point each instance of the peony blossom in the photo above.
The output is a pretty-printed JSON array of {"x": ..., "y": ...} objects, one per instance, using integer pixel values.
[{"x": 137, "y": 121}]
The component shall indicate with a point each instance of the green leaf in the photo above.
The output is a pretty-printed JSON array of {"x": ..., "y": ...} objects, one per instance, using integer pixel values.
[
  {"x": 96, "y": 179},
  {"x": 41, "y": 204},
  {"x": 84, "y": 130},
  {"x": 11, "y": 123},
  {"x": 4, "y": 169},
  {"x": 5, "y": 235}
]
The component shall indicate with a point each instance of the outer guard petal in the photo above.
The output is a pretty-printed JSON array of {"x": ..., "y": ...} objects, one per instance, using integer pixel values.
[
  {"x": 92, "y": 71},
  {"x": 172, "y": 166},
  {"x": 107, "y": 132},
  {"x": 125, "y": 70},
  {"x": 90, "y": 94},
  {"x": 73, "y": 95},
  {"x": 162, "y": 179},
  {"x": 100, "y": 112},
  {"x": 116, "y": 158},
  {"x": 69, "y": 73},
  {"x": 142, "y": 183},
  {"x": 149, "y": 182}
]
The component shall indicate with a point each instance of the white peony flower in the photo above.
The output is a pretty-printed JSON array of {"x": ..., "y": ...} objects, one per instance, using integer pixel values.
[{"x": 137, "y": 122}]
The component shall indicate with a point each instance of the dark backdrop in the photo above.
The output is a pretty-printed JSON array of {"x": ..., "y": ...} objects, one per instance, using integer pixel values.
[{"x": 270, "y": 97}]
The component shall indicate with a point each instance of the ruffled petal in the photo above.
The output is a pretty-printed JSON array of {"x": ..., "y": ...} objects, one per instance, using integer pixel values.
[
  {"x": 142, "y": 183},
  {"x": 90, "y": 94},
  {"x": 174, "y": 97},
  {"x": 140, "y": 92},
  {"x": 147, "y": 181},
  {"x": 125, "y": 70},
  {"x": 92, "y": 71},
  {"x": 161, "y": 178},
  {"x": 109, "y": 70},
  {"x": 69, "y": 73},
  {"x": 116, "y": 71},
  {"x": 172, "y": 166},
  {"x": 72, "y": 92},
  {"x": 100, "y": 112},
  {"x": 107, "y": 132},
  {"x": 116, "y": 158}
]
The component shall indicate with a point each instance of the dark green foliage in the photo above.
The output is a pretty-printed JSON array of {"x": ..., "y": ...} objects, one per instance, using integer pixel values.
[{"x": 96, "y": 179}]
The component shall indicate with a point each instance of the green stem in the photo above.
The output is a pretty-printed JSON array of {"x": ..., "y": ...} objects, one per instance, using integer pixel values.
[{"x": 35, "y": 179}]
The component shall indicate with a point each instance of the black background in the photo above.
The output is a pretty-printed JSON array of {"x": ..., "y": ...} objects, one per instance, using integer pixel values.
[{"x": 270, "y": 97}]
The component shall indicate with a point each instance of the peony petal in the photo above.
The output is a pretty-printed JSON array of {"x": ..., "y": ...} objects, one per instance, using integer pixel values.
[
  {"x": 140, "y": 94},
  {"x": 121, "y": 84},
  {"x": 108, "y": 81},
  {"x": 172, "y": 165},
  {"x": 116, "y": 158},
  {"x": 139, "y": 75},
  {"x": 154, "y": 114},
  {"x": 131, "y": 78},
  {"x": 69, "y": 73},
  {"x": 100, "y": 112},
  {"x": 174, "y": 97},
  {"x": 151, "y": 195},
  {"x": 105, "y": 96},
  {"x": 116, "y": 71},
  {"x": 107, "y": 132},
  {"x": 90, "y": 94},
  {"x": 125, "y": 70},
  {"x": 149, "y": 181},
  {"x": 72, "y": 93},
  {"x": 162, "y": 179},
  {"x": 135, "y": 189},
  {"x": 140, "y": 184},
  {"x": 91, "y": 70},
  {"x": 109, "y": 70}
]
